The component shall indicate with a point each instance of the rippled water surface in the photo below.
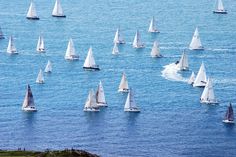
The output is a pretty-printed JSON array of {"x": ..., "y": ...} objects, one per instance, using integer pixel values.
[{"x": 172, "y": 122}]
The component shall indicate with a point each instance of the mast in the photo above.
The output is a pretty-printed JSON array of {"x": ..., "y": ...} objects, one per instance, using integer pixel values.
[
  {"x": 115, "y": 50},
  {"x": 118, "y": 38},
  {"x": 28, "y": 100},
  {"x": 152, "y": 26},
  {"x": 196, "y": 42},
  {"x": 48, "y": 67},
  {"x": 155, "y": 50},
  {"x": 89, "y": 61},
  {"x": 91, "y": 100},
  {"x": 123, "y": 83},
  {"x": 201, "y": 78}
]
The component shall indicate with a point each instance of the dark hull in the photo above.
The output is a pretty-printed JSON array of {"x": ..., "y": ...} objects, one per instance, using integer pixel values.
[
  {"x": 62, "y": 16},
  {"x": 220, "y": 12},
  {"x": 33, "y": 18},
  {"x": 91, "y": 68}
]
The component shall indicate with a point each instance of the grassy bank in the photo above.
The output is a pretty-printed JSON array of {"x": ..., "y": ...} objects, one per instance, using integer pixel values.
[{"x": 48, "y": 153}]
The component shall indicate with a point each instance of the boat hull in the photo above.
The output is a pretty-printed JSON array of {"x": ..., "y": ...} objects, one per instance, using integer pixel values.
[
  {"x": 60, "y": 16},
  {"x": 156, "y": 56},
  {"x": 220, "y": 12},
  {"x": 33, "y": 18},
  {"x": 154, "y": 31},
  {"x": 123, "y": 90},
  {"x": 119, "y": 42},
  {"x": 71, "y": 58},
  {"x": 13, "y": 53},
  {"x": 91, "y": 68},
  {"x": 40, "y": 82},
  {"x": 91, "y": 109},
  {"x": 29, "y": 109},
  {"x": 131, "y": 110},
  {"x": 228, "y": 121},
  {"x": 102, "y": 104},
  {"x": 209, "y": 102},
  {"x": 198, "y": 48},
  {"x": 139, "y": 46}
]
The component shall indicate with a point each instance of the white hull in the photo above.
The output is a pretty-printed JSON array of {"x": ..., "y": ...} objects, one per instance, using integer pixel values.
[
  {"x": 197, "y": 48},
  {"x": 89, "y": 109},
  {"x": 40, "y": 82},
  {"x": 209, "y": 102},
  {"x": 102, "y": 104},
  {"x": 228, "y": 121},
  {"x": 139, "y": 46},
  {"x": 123, "y": 90},
  {"x": 29, "y": 109},
  {"x": 72, "y": 57},
  {"x": 131, "y": 110}
]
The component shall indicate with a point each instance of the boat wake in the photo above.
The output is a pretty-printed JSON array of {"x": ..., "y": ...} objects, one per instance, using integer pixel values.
[{"x": 171, "y": 72}]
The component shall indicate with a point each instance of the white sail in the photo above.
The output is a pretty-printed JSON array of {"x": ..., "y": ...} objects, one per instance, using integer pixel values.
[
  {"x": 137, "y": 41},
  {"x": 11, "y": 46},
  {"x": 48, "y": 68},
  {"x": 152, "y": 26},
  {"x": 28, "y": 103},
  {"x": 130, "y": 104},
  {"x": 118, "y": 38},
  {"x": 91, "y": 104},
  {"x": 57, "y": 10},
  {"x": 220, "y": 5},
  {"x": 100, "y": 96},
  {"x": 191, "y": 79},
  {"x": 196, "y": 42},
  {"x": 183, "y": 62},
  {"x": 40, "y": 78},
  {"x": 1, "y": 34},
  {"x": 115, "y": 50},
  {"x": 32, "y": 14},
  {"x": 208, "y": 95},
  {"x": 70, "y": 52},
  {"x": 40, "y": 44},
  {"x": 90, "y": 61},
  {"x": 155, "y": 50},
  {"x": 201, "y": 77},
  {"x": 123, "y": 87}
]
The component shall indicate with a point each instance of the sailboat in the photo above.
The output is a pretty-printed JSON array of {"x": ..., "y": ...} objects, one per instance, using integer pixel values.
[
  {"x": 118, "y": 38},
  {"x": 137, "y": 41},
  {"x": 123, "y": 87},
  {"x": 1, "y": 34},
  {"x": 208, "y": 96},
  {"x": 183, "y": 62},
  {"x": 48, "y": 68},
  {"x": 155, "y": 50},
  {"x": 91, "y": 105},
  {"x": 32, "y": 14},
  {"x": 220, "y": 8},
  {"x": 115, "y": 50},
  {"x": 100, "y": 96},
  {"x": 57, "y": 10},
  {"x": 191, "y": 79},
  {"x": 40, "y": 44},
  {"x": 70, "y": 52},
  {"x": 201, "y": 78},
  {"x": 196, "y": 41},
  {"x": 40, "y": 78},
  {"x": 11, "y": 46},
  {"x": 229, "y": 116},
  {"x": 152, "y": 26},
  {"x": 28, "y": 104},
  {"x": 130, "y": 104},
  {"x": 89, "y": 63}
]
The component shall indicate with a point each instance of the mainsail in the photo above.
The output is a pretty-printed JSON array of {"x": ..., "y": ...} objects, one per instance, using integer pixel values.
[
  {"x": 29, "y": 100},
  {"x": 57, "y": 10},
  {"x": 70, "y": 51},
  {"x": 32, "y": 14},
  {"x": 208, "y": 95},
  {"x": 123, "y": 87},
  {"x": 196, "y": 42},
  {"x": 229, "y": 116},
  {"x": 152, "y": 26},
  {"x": 201, "y": 77},
  {"x": 48, "y": 68},
  {"x": 137, "y": 41},
  {"x": 115, "y": 50},
  {"x": 40, "y": 78},
  {"x": 183, "y": 62},
  {"x": 118, "y": 38},
  {"x": 100, "y": 96},
  {"x": 155, "y": 52},
  {"x": 11, "y": 47},
  {"x": 40, "y": 44}
]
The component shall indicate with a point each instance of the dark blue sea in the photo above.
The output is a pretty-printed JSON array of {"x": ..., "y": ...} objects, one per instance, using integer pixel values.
[{"x": 172, "y": 122}]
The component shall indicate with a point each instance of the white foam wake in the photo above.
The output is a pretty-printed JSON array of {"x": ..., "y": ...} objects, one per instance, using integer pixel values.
[{"x": 171, "y": 72}]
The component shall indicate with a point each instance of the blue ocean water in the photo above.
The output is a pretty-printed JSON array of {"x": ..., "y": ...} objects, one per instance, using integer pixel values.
[{"x": 172, "y": 122}]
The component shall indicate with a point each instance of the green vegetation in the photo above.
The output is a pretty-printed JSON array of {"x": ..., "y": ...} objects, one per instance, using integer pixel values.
[{"x": 47, "y": 153}]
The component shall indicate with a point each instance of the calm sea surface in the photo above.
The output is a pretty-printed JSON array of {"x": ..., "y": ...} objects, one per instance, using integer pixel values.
[{"x": 172, "y": 122}]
